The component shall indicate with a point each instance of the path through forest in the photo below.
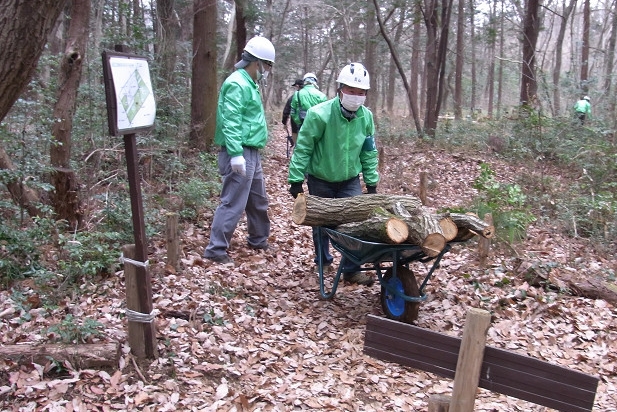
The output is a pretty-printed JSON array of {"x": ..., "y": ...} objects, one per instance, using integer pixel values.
[{"x": 257, "y": 337}]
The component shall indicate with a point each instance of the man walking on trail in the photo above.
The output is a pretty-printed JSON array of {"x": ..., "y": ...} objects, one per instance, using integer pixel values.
[
  {"x": 335, "y": 144},
  {"x": 241, "y": 131},
  {"x": 582, "y": 108},
  {"x": 298, "y": 84},
  {"x": 305, "y": 98}
]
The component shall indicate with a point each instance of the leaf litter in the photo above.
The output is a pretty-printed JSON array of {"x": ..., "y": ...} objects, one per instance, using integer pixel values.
[{"x": 257, "y": 336}]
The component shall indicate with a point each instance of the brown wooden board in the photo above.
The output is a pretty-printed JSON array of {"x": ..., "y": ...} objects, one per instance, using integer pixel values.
[{"x": 511, "y": 374}]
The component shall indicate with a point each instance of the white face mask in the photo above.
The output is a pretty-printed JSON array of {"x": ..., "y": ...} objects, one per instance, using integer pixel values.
[
  {"x": 262, "y": 74},
  {"x": 352, "y": 102}
]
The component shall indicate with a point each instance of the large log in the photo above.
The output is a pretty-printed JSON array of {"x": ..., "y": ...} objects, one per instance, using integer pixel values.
[
  {"x": 424, "y": 230},
  {"x": 474, "y": 223},
  {"x": 85, "y": 356},
  {"x": 449, "y": 228},
  {"x": 312, "y": 210},
  {"x": 378, "y": 228}
]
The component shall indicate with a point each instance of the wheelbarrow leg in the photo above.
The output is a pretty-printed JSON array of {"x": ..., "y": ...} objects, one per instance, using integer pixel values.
[{"x": 320, "y": 264}]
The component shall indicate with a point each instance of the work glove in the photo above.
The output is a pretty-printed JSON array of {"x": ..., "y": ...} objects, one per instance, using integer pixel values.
[
  {"x": 295, "y": 189},
  {"x": 371, "y": 190},
  {"x": 238, "y": 165}
]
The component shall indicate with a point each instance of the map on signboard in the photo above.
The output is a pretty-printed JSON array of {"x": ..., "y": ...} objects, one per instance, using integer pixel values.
[{"x": 136, "y": 107}]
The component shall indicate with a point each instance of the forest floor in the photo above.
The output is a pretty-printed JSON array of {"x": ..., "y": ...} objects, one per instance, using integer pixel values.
[{"x": 257, "y": 336}]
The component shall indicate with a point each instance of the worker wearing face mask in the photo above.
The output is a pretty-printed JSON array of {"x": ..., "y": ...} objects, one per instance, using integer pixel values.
[
  {"x": 241, "y": 131},
  {"x": 335, "y": 145}
]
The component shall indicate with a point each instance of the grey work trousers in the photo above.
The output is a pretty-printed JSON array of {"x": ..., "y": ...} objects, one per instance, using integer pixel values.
[{"x": 240, "y": 194}]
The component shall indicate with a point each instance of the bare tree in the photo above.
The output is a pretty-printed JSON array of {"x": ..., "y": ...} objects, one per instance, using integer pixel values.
[
  {"x": 437, "y": 21},
  {"x": 412, "y": 98},
  {"x": 563, "y": 21},
  {"x": 392, "y": 66}
]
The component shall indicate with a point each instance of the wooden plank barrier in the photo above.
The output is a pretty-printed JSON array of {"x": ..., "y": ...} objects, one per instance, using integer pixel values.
[{"x": 502, "y": 371}]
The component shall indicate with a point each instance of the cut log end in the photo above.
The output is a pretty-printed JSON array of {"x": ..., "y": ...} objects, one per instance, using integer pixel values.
[
  {"x": 299, "y": 210},
  {"x": 397, "y": 231},
  {"x": 433, "y": 244}
]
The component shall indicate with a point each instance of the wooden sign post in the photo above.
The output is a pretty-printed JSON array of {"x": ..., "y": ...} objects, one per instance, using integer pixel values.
[{"x": 131, "y": 108}]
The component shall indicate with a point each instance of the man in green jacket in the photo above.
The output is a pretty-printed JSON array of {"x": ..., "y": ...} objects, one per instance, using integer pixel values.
[
  {"x": 305, "y": 98},
  {"x": 582, "y": 108},
  {"x": 240, "y": 132},
  {"x": 335, "y": 144}
]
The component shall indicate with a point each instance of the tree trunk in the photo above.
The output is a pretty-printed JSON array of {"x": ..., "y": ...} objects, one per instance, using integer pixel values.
[
  {"x": 460, "y": 58},
  {"x": 492, "y": 38},
  {"x": 22, "y": 195},
  {"x": 312, "y": 210},
  {"x": 437, "y": 21},
  {"x": 86, "y": 356},
  {"x": 472, "y": 40},
  {"x": 204, "y": 83},
  {"x": 585, "y": 47},
  {"x": 167, "y": 33},
  {"x": 65, "y": 198},
  {"x": 531, "y": 28},
  {"x": 415, "y": 67},
  {"x": 565, "y": 15},
  {"x": 23, "y": 35},
  {"x": 371, "y": 57}
]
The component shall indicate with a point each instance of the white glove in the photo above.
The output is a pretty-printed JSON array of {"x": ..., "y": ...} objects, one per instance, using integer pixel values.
[{"x": 238, "y": 165}]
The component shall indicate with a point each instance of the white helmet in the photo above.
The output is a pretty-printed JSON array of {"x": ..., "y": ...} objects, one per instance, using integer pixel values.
[
  {"x": 261, "y": 48},
  {"x": 586, "y": 98},
  {"x": 354, "y": 75},
  {"x": 310, "y": 78}
]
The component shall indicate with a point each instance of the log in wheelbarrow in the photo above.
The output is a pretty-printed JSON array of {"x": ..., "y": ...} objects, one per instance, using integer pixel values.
[{"x": 400, "y": 293}]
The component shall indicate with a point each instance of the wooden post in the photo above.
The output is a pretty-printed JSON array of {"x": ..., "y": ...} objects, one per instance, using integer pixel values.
[
  {"x": 173, "y": 241},
  {"x": 484, "y": 244},
  {"x": 438, "y": 403},
  {"x": 469, "y": 363},
  {"x": 141, "y": 334},
  {"x": 423, "y": 187}
]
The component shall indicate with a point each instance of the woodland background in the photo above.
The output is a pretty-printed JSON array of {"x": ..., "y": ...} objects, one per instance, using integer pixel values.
[{"x": 454, "y": 84}]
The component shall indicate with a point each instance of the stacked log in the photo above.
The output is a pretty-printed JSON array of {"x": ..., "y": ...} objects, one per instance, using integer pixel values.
[{"x": 391, "y": 219}]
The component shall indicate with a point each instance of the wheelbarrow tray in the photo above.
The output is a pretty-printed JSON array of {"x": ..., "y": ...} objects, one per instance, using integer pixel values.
[{"x": 380, "y": 257}]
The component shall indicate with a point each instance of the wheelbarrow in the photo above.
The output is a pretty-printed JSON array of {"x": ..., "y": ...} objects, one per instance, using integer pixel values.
[{"x": 400, "y": 293}]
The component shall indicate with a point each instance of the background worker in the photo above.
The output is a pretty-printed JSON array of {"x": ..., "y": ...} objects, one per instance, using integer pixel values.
[
  {"x": 335, "y": 144},
  {"x": 241, "y": 131},
  {"x": 582, "y": 108},
  {"x": 298, "y": 84},
  {"x": 305, "y": 98}
]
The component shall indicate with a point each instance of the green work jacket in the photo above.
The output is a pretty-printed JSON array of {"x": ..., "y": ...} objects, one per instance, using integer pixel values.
[
  {"x": 240, "y": 118},
  {"x": 583, "y": 106},
  {"x": 333, "y": 148},
  {"x": 305, "y": 98}
]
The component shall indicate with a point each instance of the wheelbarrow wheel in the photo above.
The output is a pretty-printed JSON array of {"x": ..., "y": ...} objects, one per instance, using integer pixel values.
[{"x": 395, "y": 307}]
